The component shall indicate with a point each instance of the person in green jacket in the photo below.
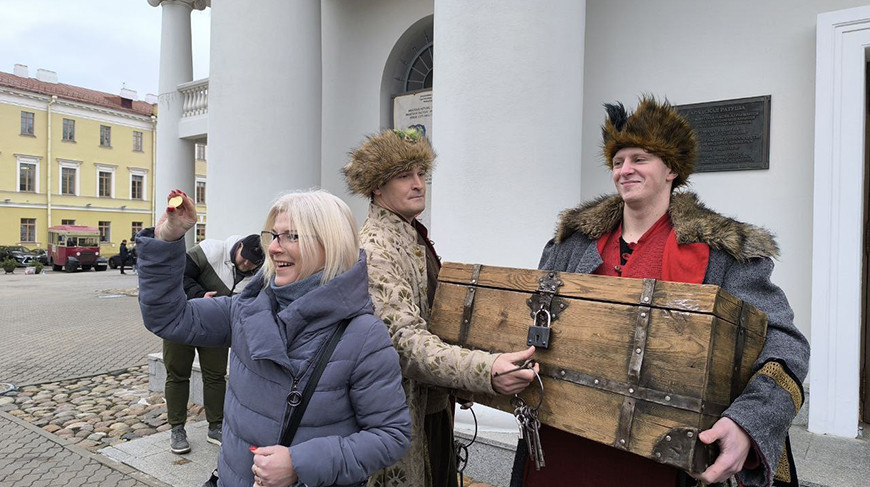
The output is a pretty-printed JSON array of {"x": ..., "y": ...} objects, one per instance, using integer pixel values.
[{"x": 213, "y": 268}]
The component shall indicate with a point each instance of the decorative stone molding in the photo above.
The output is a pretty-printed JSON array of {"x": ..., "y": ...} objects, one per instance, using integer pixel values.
[{"x": 194, "y": 4}]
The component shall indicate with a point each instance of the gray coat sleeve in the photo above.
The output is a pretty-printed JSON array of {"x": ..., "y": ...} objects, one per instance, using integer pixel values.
[
  {"x": 770, "y": 401},
  {"x": 166, "y": 311},
  {"x": 378, "y": 401}
]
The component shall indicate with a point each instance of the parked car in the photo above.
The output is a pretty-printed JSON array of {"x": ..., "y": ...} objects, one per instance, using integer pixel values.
[
  {"x": 23, "y": 255},
  {"x": 115, "y": 260}
]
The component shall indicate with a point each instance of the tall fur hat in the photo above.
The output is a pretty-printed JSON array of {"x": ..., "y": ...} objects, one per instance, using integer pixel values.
[
  {"x": 658, "y": 128},
  {"x": 383, "y": 156}
]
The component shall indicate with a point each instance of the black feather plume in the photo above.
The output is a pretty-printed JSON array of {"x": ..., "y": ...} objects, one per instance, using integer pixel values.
[{"x": 617, "y": 115}]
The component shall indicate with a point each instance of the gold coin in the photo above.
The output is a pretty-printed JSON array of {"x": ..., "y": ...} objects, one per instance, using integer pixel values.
[{"x": 176, "y": 201}]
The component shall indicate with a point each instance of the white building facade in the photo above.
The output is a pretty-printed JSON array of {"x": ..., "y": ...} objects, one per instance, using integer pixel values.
[{"x": 517, "y": 94}]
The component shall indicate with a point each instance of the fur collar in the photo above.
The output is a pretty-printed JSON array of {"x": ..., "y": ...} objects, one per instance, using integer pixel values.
[{"x": 693, "y": 223}]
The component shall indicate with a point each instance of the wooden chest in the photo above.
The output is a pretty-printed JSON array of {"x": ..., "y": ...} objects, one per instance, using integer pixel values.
[{"x": 637, "y": 364}]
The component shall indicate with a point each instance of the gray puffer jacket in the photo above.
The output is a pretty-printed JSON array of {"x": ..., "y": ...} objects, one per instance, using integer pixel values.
[{"x": 357, "y": 421}]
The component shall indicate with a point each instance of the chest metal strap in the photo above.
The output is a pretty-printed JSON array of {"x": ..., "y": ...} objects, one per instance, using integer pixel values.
[
  {"x": 545, "y": 298},
  {"x": 468, "y": 308}
]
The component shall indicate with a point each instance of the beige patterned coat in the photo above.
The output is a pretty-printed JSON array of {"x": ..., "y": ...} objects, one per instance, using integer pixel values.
[{"x": 397, "y": 284}]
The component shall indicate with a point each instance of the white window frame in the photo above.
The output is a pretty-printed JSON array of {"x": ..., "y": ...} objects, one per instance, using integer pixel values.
[
  {"x": 144, "y": 174},
  {"x": 111, "y": 170},
  {"x": 65, "y": 164},
  {"x": 27, "y": 160}
]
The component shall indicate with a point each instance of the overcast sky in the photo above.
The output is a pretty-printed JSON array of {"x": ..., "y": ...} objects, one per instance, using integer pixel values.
[{"x": 96, "y": 44}]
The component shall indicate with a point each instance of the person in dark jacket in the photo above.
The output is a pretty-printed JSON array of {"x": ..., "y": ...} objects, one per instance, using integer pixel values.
[
  {"x": 124, "y": 253},
  {"x": 213, "y": 268},
  {"x": 648, "y": 230},
  {"x": 313, "y": 279}
]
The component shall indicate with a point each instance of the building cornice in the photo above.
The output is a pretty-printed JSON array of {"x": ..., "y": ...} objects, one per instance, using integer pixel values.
[
  {"x": 92, "y": 209},
  {"x": 63, "y": 106},
  {"x": 27, "y": 156}
]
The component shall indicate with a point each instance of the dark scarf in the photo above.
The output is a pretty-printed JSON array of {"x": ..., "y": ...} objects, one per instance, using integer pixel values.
[{"x": 288, "y": 293}]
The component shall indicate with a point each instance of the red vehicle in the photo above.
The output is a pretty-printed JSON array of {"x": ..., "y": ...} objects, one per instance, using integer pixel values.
[{"x": 74, "y": 247}]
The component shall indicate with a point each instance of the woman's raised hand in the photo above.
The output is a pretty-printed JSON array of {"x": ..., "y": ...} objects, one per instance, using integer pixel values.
[{"x": 180, "y": 216}]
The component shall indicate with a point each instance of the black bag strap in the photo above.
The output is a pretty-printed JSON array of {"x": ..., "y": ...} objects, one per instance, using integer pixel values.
[{"x": 296, "y": 416}]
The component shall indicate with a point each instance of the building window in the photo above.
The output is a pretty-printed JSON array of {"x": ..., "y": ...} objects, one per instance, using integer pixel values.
[
  {"x": 200, "y": 192},
  {"x": 200, "y": 232},
  {"x": 68, "y": 180},
  {"x": 420, "y": 70},
  {"x": 27, "y": 177},
  {"x": 28, "y": 173},
  {"x": 105, "y": 231},
  {"x": 137, "y": 190},
  {"x": 28, "y": 230},
  {"x": 135, "y": 228},
  {"x": 67, "y": 222},
  {"x": 105, "y": 184},
  {"x": 105, "y": 136},
  {"x": 69, "y": 130},
  {"x": 105, "y": 181},
  {"x": 27, "y": 123},
  {"x": 68, "y": 177},
  {"x": 200, "y": 152},
  {"x": 137, "y": 141},
  {"x": 138, "y": 184}
]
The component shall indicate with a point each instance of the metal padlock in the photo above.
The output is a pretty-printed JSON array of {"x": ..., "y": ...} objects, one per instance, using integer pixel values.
[{"x": 539, "y": 336}]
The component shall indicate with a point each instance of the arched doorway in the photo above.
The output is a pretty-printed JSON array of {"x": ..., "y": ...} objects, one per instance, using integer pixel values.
[{"x": 406, "y": 86}]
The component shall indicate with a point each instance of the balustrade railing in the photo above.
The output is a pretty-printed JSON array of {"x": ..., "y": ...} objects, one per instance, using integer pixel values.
[{"x": 195, "y": 97}]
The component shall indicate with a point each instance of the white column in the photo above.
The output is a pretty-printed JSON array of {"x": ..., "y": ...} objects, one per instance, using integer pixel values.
[
  {"x": 264, "y": 108},
  {"x": 175, "y": 157},
  {"x": 507, "y": 103}
]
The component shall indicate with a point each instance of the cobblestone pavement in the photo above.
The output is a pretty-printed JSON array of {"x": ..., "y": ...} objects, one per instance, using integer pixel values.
[
  {"x": 58, "y": 325},
  {"x": 97, "y": 411},
  {"x": 31, "y": 457},
  {"x": 53, "y": 327}
]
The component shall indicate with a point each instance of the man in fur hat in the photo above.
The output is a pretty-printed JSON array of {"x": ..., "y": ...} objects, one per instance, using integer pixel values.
[
  {"x": 647, "y": 230},
  {"x": 390, "y": 169},
  {"x": 213, "y": 268}
]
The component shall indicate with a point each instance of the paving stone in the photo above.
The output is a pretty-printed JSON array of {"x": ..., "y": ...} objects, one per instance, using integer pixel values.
[{"x": 29, "y": 457}]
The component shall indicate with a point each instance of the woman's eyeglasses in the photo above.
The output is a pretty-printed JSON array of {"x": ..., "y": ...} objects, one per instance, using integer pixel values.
[{"x": 282, "y": 238}]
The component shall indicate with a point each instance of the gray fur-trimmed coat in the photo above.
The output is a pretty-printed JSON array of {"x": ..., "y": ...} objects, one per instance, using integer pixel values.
[
  {"x": 740, "y": 263},
  {"x": 357, "y": 421}
]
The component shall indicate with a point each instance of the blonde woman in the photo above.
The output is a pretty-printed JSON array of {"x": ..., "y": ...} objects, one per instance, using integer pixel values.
[{"x": 314, "y": 278}]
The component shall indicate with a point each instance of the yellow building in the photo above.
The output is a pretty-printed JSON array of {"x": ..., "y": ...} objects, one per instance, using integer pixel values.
[
  {"x": 199, "y": 192},
  {"x": 70, "y": 155}
]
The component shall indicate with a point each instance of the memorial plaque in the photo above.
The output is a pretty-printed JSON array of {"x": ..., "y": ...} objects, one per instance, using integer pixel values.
[{"x": 733, "y": 135}]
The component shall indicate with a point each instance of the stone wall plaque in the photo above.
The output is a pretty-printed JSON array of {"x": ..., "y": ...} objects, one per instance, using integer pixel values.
[{"x": 733, "y": 135}]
